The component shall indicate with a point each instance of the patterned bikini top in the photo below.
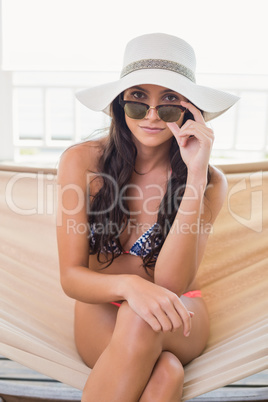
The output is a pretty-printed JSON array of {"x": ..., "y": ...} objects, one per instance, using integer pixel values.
[{"x": 140, "y": 248}]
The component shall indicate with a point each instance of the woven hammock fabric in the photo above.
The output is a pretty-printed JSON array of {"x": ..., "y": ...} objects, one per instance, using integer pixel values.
[{"x": 36, "y": 317}]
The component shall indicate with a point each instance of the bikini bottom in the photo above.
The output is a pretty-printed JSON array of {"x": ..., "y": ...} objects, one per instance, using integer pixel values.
[{"x": 192, "y": 293}]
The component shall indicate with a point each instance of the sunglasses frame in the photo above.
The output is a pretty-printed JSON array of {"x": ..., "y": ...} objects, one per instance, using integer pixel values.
[{"x": 123, "y": 103}]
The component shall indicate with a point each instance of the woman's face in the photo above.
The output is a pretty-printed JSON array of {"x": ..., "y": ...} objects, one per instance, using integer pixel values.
[{"x": 151, "y": 130}]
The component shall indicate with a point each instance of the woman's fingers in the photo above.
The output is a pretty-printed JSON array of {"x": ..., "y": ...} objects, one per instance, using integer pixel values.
[
  {"x": 191, "y": 129},
  {"x": 153, "y": 322},
  {"x": 174, "y": 128},
  {"x": 162, "y": 309},
  {"x": 170, "y": 316},
  {"x": 195, "y": 131},
  {"x": 185, "y": 316},
  {"x": 166, "y": 320},
  {"x": 195, "y": 112},
  {"x": 174, "y": 319}
]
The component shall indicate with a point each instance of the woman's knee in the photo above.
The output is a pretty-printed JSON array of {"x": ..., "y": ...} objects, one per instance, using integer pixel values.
[
  {"x": 134, "y": 335},
  {"x": 170, "y": 369},
  {"x": 166, "y": 382}
]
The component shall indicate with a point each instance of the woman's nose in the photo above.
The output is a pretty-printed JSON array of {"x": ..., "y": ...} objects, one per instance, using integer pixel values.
[{"x": 152, "y": 113}]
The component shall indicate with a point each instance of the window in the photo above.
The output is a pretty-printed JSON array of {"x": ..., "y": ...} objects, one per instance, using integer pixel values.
[{"x": 48, "y": 51}]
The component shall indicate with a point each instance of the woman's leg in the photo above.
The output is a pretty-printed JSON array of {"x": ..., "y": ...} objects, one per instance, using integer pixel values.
[
  {"x": 124, "y": 368},
  {"x": 129, "y": 354},
  {"x": 166, "y": 381}
]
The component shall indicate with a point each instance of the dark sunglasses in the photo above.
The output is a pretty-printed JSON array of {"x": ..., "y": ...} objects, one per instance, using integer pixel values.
[{"x": 138, "y": 110}]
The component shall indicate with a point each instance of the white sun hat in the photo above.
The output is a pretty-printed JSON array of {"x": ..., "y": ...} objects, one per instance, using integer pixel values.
[{"x": 163, "y": 60}]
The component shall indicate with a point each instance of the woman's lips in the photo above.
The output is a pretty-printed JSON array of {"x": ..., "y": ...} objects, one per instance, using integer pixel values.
[{"x": 151, "y": 130}]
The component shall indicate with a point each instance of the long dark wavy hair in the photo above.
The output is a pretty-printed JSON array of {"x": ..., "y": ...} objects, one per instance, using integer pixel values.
[{"x": 110, "y": 217}]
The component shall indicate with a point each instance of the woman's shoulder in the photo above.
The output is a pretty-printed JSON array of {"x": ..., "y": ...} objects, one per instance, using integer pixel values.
[
  {"x": 79, "y": 160},
  {"x": 84, "y": 156}
]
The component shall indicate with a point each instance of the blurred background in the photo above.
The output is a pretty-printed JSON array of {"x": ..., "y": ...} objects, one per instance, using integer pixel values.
[{"x": 49, "y": 49}]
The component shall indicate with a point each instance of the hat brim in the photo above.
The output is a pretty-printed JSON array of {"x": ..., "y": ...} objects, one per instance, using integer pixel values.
[{"x": 211, "y": 101}]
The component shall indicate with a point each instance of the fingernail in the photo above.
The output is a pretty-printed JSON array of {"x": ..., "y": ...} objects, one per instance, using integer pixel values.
[
  {"x": 191, "y": 313},
  {"x": 188, "y": 333}
]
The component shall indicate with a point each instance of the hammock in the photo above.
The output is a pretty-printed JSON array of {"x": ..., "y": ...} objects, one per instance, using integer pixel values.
[{"x": 36, "y": 317}]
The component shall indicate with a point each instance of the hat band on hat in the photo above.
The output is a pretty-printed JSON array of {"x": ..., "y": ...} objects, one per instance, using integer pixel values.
[{"x": 158, "y": 64}]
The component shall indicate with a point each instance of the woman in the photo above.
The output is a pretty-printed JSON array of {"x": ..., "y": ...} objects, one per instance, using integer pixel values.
[{"x": 134, "y": 216}]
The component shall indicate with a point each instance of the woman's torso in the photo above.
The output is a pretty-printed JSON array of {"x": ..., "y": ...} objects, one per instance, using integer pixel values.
[{"x": 144, "y": 192}]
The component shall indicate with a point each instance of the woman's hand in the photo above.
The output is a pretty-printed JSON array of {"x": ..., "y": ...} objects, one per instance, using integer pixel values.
[
  {"x": 160, "y": 308},
  {"x": 195, "y": 140}
]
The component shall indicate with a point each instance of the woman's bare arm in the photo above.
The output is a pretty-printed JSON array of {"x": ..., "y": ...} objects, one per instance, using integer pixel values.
[
  {"x": 184, "y": 246},
  {"x": 77, "y": 279}
]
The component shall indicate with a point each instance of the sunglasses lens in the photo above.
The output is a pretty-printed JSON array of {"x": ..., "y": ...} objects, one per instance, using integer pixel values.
[
  {"x": 169, "y": 113},
  {"x": 135, "y": 110}
]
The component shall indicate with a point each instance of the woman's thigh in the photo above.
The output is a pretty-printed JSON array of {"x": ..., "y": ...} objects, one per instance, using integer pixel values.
[
  {"x": 187, "y": 348},
  {"x": 94, "y": 326},
  {"x": 129, "y": 326}
]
